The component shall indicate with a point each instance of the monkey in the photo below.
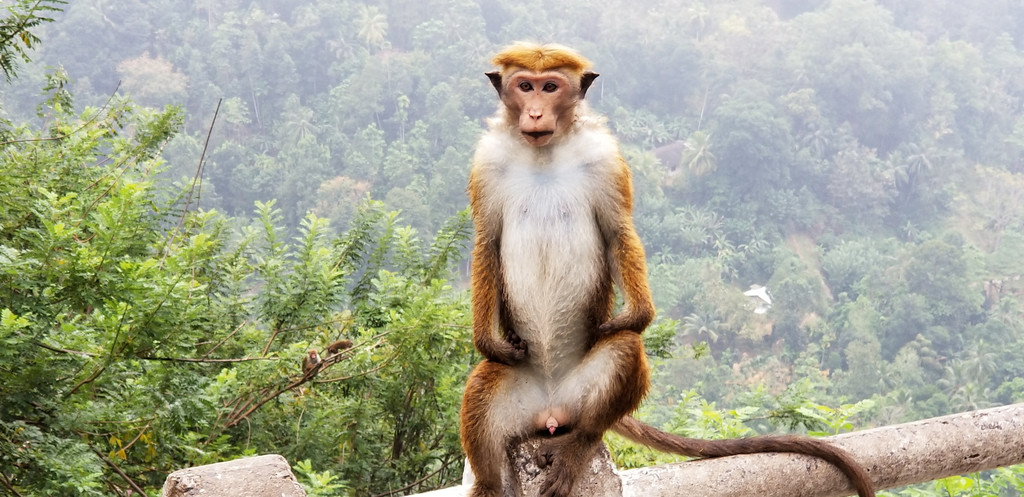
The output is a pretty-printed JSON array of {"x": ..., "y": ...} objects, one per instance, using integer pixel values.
[
  {"x": 552, "y": 200},
  {"x": 311, "y": 363},
  {"x": 338, "y": 346}
]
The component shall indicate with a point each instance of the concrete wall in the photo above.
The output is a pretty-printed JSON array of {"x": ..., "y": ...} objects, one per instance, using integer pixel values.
[{"x": 894, "y": 456}]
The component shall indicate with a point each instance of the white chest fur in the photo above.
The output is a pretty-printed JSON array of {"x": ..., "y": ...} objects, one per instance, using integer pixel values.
[
  {"x": 552, "y": 250},
  {"x": 551, "y": 257},
  {"x": 550, "y": 243}
]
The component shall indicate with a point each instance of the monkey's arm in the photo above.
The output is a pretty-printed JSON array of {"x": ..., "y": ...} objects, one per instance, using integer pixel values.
[
  {"x": 626, "y": 257},
  {"x": 488, "y": 337}
]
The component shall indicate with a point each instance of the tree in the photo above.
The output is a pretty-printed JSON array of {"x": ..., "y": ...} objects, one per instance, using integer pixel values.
[
  {"x": 701, "y": 327},
  {"x": 88, "y": 287},
  {"x": 373, "y": 27},
  {"x": 996, "y": 206},
  {"x": 152, "y": 79},
  {"x": 16, "y": 31},
  {"x": 140, "y": 336},
  {"x": 859, "y": 185},
  {"x": 753, "y": 148},
  {"x": 949, "y": 296},
  {"x": 698, "y": 158}
]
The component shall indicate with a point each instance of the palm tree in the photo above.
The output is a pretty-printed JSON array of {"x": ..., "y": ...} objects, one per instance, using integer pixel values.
[
  {"x": 698, "y": 18},
  {"x": 909, "y": 169},
  {"x": 699, "y": 228},
  {"x": 373, "y": 26},
  {"x": 917, "y": 161},
  {"x": 701, "y": 326},
  {"x": 208, "y": 6},
  {"x": 341, "y": 48},
  {"x": 698, "y": 158},
  {"x": 299, "y": 123},
  {"x": 816, "y": 139}
]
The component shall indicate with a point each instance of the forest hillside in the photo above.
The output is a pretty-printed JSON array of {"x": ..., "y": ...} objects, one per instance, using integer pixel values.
[{"x": 195, "y": 193}]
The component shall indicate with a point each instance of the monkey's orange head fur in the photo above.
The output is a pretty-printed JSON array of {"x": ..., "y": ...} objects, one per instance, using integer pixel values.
[
  {"x": 537, "y": 57},
  {"x": 540, "y": 87}
]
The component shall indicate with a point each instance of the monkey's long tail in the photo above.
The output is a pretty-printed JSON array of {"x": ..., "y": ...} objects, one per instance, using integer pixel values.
[{"x": 650, "y": 436}]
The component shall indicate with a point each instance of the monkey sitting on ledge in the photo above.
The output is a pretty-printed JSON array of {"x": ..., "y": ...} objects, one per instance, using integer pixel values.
[{"x": 552, "y": 202}]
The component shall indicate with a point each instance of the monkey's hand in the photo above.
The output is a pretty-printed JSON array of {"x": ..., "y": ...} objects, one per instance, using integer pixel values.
[
  {"x": 635, "y": 320},
  {"x": 508, "y": 353},
  {"x": 518, "y": 349},
  {"x": 509, "y": 349}
]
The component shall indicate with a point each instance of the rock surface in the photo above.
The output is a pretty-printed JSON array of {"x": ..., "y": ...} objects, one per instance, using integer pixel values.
[{"x": 260, "y": 476}]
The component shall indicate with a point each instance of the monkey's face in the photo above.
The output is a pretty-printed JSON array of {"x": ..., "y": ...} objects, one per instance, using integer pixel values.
[{"x": 543, "y": 102}]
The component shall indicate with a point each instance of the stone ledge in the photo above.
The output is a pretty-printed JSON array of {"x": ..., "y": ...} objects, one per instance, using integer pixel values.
[
  {"x": 894, "y": 456},
  {"x": 259, "y": 476}
]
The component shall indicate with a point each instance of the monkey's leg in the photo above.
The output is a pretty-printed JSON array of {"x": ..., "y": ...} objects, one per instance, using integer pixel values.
[
  {"x": 498, "y": 408},
  {"x": 608, "y": 384}
]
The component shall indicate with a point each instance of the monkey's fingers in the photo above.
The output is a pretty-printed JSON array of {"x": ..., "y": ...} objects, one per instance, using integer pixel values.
[
  {"x": 543, "y": 458},
  {"x": 518, "y": 352},
  {"x": 623, "y": 321},
  {"x": 511, "y": 354},
  {"x": 513, "y": 338}
]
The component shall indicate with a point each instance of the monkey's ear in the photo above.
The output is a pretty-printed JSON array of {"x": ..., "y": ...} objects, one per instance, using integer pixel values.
[
  {"x": 495, "y": 78},
  {"x": 585, "y": 81}
]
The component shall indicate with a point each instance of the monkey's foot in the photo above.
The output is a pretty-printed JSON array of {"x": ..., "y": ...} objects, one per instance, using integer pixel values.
[
  {"x": 534, "y": 462},
  {"x": 561, "y": 474}
]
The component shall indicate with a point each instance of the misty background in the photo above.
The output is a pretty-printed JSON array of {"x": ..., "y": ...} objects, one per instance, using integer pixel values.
[{"x": 861, "y": 160}]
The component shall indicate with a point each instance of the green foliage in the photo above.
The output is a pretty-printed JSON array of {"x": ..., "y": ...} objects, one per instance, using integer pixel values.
[
  {"x": 139, "y": 337},
  {"x": 1001, "y": 481},
  {"x": 89, "y": 297},
  {"x": 659, "y": 338},
  {"x": 316, "y": 484},
  {"x": 16, "y": 31},
  {"x": 694, "y": 416}
]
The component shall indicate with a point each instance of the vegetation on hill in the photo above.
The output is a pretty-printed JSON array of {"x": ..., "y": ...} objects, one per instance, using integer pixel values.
[{"x": 206, "y": 190}]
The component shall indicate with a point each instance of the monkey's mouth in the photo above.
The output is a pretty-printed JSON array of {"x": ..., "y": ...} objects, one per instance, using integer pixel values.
[{"x": 536, "y": 135}]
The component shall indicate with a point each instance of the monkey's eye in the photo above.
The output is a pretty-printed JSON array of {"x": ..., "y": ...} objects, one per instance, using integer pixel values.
[
  {"x": 525, "y": 86},
  {"x": 550, "y": 87}
]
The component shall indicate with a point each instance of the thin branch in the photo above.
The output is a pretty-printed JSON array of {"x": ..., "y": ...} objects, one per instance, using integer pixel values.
[
  {"x": 113, "y": 345},
  {"x": 76, "y": 130},
  {"x": 204, "y": 360},
  {"x": 88, "y": 208},
  {"x": 9, "y": 485},
  {"x": 196, "y": 182},
  {"x": 277, "y": 329},
  {"x": 137, "y": 437},
  {"x": 225, "y": 339},
  {"x": 241, "y": 407},
  {"x": 249, "y": 407},
  {"x": 703, "y": 106},
  {"x": 362, "y": 373},
  {"x": 198, "y": 179},
  {"x": 443, "y": 467},
  {"x": 51, "y": 348},
  {"x": 268, "y": 398},
  {"x": 163, "y": 300},
  {"x": 120, "y": 472}
]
